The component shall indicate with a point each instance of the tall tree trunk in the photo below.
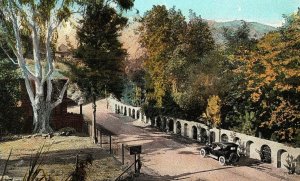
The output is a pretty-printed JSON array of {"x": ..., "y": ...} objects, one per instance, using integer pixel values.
[{"x": 41, "y": 116}]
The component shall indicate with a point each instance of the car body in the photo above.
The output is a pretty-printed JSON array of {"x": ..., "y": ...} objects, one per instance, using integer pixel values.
[{"x": 225, "y": 152}]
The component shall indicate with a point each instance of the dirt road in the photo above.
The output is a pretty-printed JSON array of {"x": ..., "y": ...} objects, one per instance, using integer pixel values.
[{"x": 169, "y": 157}]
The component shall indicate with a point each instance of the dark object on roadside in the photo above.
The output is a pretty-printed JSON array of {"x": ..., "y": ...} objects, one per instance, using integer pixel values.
[
  {"x": 82, "y": 161},
  {"x": 139, "y": 165},
  {"x": 226, "y": 153},
  {"x": 67, "y": 131},
  {"x": 137, "y": 149}
]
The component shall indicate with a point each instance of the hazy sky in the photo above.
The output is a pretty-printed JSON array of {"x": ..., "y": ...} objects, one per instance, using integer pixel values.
[{"x": 262, "y": 11}]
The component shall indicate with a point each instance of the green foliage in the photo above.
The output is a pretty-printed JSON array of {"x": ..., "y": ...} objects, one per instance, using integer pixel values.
[
  {"x": 99, "y": 69},
  {"x": 174, "y": 46},
  {"x": 239, "y": 40},
  {"x": 160, "y": 33},
  {"x": 247, "y": 123},
  {"x": 134, "y": 89},
  {"x": 10, "y": 115},
  {"x": 132, "y": 94},
  {"x": 236, "y": 106}
]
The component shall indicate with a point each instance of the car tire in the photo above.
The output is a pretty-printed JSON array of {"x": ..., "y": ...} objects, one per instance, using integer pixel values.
[
  {"x": 203, "y": 152},
  {"x": 233, "y": 157},
  {"x": 222, "y": 160}
]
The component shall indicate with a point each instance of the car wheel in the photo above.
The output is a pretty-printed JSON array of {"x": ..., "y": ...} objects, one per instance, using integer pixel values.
[
  {"x": 233, "y": 158},
  {"x": 222, "y": 160},
  {"x": 203, "y": 152}
]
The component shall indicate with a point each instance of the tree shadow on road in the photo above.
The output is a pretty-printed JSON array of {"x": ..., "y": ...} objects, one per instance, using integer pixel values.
[{"x": 178, "y": 177}]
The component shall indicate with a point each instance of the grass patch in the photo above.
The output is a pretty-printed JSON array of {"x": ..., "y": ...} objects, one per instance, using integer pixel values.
[{"x": 59, "y": 157}]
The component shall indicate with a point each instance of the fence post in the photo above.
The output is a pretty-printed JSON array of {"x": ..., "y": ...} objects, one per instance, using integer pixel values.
[
  {"x": 100, "y": 138},
  {"x": 80, "y": 109},
  {"x": 110, "y": 151},
  {"x": 123, "y": 154},
  {"x": 98, "y": 135},
  {"x": 135, "y": 170}
]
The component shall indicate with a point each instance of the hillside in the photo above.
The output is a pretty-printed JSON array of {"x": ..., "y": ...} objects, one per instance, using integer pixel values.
[
  {"x": 257, "y": 30},
  {"x": 129, "y": 36}
]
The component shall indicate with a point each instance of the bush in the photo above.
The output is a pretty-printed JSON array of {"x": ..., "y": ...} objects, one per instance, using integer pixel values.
[{"x": 291, "y": 164}]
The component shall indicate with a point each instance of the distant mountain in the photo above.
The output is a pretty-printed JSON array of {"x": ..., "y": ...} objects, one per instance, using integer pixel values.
[
  {"x": 257, "y": 30},
  {"x": 129, "y": 36}
]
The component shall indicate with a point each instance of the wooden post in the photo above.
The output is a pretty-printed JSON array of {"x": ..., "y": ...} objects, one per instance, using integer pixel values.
[
  {"x": 98, "y": 135},
  {"x": 135, "y": 170},
  {"x": 123, "y": 152},
  {"x": 100, "y": 138},
  {"x": 110, "y": 151},
  {"x": 80, "y": 109}
]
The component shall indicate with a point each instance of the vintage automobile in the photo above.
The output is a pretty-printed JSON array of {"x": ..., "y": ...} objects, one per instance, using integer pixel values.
[{"x": 226, "y": 153}]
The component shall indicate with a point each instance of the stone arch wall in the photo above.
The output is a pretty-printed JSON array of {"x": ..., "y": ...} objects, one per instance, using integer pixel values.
[
  {"x": 129, "y": 112},
  {"x": 203, "y": 135},
  {"x": 164, "y": 124},
  {"x": 224, "y": 138},
  {"x": 185, "y": 129},
  {"x": 171, "y": 125},
  {"x": 194, "y": 132},
  {"x": 266, "y": 154},
  {"x": 137, "y": 114},
  {"x": 133, "y": 113},
  {"x": 252, "y": 145},
  {"x": 178, "y": 127},
  {"x": 212, "y": 136},
  {"x": 248, "y": 150},
  {"x": 281, "y": 158},
  {"x": 125, "y": 111},
  {"x": 236, "y": 140}
]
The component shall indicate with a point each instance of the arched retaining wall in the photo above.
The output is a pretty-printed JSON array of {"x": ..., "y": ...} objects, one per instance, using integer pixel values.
[{"x": 250, "y": 144}]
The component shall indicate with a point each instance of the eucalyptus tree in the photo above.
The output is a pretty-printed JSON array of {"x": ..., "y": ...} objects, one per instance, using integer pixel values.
[{"x": 40, "y": 18}]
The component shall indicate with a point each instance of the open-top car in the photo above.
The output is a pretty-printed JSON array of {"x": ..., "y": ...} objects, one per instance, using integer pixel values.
[{"x": 224, "y": 152}]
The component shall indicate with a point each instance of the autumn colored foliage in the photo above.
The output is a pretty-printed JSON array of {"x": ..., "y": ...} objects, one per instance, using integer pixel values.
[{"x": 251, "y": 86}]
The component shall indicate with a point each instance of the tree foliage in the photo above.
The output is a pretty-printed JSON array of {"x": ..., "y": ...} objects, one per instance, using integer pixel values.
[
  {"x": 174, "y": 46},
  {"x": 10, "y": 115},
  {"x": 100, "y": 54},
  {"x": 213, "y": 111},
  {"x": 272, "y": 72},
  {"x": 267, "y": 83}
]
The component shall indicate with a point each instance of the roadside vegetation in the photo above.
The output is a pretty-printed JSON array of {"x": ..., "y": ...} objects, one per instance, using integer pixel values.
[{"x": 249, "y": 85}]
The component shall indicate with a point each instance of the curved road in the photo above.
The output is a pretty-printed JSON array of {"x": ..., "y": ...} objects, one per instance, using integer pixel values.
[{"x": 168, "y": 157}]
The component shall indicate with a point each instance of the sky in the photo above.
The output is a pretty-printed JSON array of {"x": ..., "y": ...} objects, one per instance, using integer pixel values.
[{"x": 263, "y": 11}]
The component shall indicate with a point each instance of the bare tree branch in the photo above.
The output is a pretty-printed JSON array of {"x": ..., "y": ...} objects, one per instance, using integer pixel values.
[
  {"x": 48, "y": 53},
  {"x": 49, "y": 90},
  {"x": 29, "y": 89},
  {"x": 8, "y": 56},
  {"x": 36, "y": 50},
  {"x": 61, "y": 96},
  {"x": 19, "y": 52}
]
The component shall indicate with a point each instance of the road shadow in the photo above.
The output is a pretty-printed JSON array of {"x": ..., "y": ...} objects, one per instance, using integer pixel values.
[
  {"x": 53, "y": 157},
  {"x": 184, "y": 176}
]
